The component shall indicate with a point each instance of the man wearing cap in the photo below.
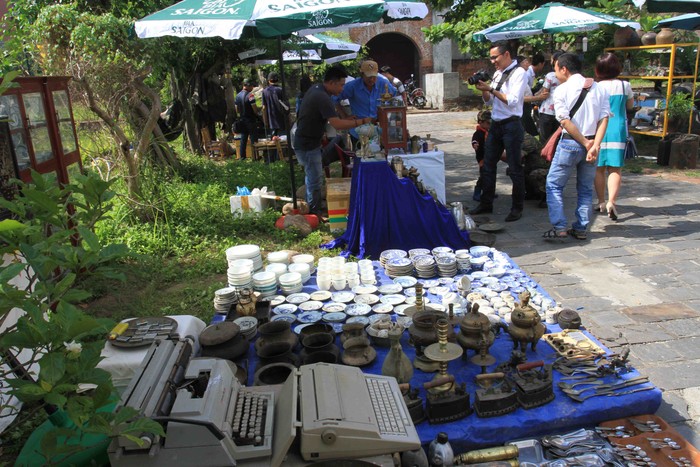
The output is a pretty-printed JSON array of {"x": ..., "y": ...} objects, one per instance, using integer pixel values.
[
  {"x": 364, "y": 93},
  {"x": 245, "y": 100},
  {"x": 316, "y": 109},
  {"x": 386, "y": 71}
]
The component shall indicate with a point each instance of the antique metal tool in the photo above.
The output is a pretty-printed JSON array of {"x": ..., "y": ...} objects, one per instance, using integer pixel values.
[
  {"x": 488, "y": 455},
  {"x": 413, "y": 402},
  {"x": 446, "y": 401},
  {"x": 495, "y": 397},
  {"x": 534, "y": 384}
]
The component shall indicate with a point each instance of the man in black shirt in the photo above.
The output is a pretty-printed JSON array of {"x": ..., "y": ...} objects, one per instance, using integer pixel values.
[
  {"x": 244, "y": 106},
  {"x": 316, "y": 109}
]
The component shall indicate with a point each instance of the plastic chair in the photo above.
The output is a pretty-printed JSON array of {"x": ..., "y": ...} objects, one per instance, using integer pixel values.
[{"x": 345, "y": 161}]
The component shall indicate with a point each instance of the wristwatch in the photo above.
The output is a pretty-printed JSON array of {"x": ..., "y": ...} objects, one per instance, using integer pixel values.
[{"x": 491, "y": 90}]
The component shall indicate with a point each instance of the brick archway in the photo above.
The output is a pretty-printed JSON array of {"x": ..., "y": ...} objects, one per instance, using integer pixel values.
[{"x": 397, "y": 51}]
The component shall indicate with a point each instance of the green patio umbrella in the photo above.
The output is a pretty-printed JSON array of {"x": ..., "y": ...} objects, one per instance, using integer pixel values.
[
  {"x": 690, "y": 21},
  {"x": 550, "y": 18},
  {"x": 673, "y": 6},
  {"x": 228, "y": 18},
  {"x": 270, "y": 18}
]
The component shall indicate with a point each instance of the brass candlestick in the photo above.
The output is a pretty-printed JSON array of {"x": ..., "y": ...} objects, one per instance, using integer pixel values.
[{"x": 442, "y": 352}]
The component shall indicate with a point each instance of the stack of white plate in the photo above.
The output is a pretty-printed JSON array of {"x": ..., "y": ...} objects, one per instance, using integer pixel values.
[
  {"x": 305, "y": 259},
  {"x": 303, "y": 269},
  {"x": 464, "y": 262},
  {"x": 278, "y": 257},
  {"x": 291, "y": 283},
  {"x": 224, "y": 299},
  {"x": 277, "y": 268},
  {"x": 265, "y": 283},
  {"x": 246, "y": 252},
  {"x": 240, "y": 273}
]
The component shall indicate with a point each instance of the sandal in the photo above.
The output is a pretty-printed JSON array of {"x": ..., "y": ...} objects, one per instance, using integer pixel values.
[
  {"x": 577, "y": 234},
  {"x": 554, "y": 235}
]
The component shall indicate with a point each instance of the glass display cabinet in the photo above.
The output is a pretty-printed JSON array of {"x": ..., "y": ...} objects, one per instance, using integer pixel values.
[
  {"x": 39, "y": 120},
  {"x": 392, "y": 121}
]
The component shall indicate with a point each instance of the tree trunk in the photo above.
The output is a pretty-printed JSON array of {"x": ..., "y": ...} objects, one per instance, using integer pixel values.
[
  {"x": 179, "y": 87},
  {"x": 123, "y": 143},
  {"x": 151, "y": 121}
]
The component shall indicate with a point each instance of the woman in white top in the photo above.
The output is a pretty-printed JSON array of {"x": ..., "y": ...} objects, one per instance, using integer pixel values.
[{"x": 612, "y": 150}]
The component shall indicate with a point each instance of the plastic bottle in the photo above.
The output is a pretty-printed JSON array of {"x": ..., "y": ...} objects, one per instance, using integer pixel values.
[{"x": 440, "y": 452}]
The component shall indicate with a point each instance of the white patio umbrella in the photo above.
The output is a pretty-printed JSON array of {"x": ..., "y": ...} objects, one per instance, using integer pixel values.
[{"x": 550, "y": 18}]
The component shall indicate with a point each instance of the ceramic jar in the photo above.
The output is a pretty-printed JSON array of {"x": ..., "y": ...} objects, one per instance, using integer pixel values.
[
  {"x": 649, "y": 38},
  {"x": 665, "y": 36}
]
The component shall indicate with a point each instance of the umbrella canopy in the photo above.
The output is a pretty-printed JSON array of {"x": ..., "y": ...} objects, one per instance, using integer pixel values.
[
  {"x": 690, "y": 21},
  {"x": 673, "y": 6},
  {"x": 227, "y": 18},
  {"x": 550, "y": 18}
]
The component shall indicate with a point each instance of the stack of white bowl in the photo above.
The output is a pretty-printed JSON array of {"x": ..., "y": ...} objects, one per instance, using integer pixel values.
[
  {"x": 305, "y": 259},
  {"x": 240, "y": 273},
  {"x": 278, "y": 257},
  {"x": 265, "y": 283},
  {"x": 224, "y": 299},
  {"x": 301, "y": 268},
  {"x": 464, "y": 262},
  {"x": 251, "y": 252},
  {"x": 366, "y": 269},
  {"x": 338, "y": 273},
  {"x": 277, "y": 268},
  {"x": 290, "y": 283},
  {"x": 352, "y": 274},
  {"x": 324, "y": 273}
]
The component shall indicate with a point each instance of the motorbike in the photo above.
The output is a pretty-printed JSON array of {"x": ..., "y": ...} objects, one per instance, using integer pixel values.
[{"x": 415, "y": 95}]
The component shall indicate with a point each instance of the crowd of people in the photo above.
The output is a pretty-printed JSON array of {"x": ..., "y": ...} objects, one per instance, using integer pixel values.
[{"x": 591, "y": 115}]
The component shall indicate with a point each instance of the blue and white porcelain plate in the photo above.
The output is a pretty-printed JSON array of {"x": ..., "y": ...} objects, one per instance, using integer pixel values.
[
  {"x": 310, "y": 317},
  {"x": 382, "y": 308},
  {"x": 290, "y": 318},
  {"x": 337, "y": 317},
  {"x": 311, "y": 305},
  {"x": 393, "y": 299},
  {"x": 357, "y": 309},
  {"x": 387, "y": 289},
  {"x": 285, "y": 308},
  {"x": 334, "y": 307},
  {"x": 399, "y": 262},
  {"x": 405, "y": 281},
  {"x": 298, "y": 298}
]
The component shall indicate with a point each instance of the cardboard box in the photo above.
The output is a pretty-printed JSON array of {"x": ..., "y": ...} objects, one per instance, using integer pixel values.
[
  {"x": 248, "y": 148},
  {"x": 338, "y": 199},
  {"x": 253, "y": 202}
]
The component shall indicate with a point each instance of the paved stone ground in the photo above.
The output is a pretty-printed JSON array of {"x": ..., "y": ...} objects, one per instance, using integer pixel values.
[{"x": 636, "y": 278}]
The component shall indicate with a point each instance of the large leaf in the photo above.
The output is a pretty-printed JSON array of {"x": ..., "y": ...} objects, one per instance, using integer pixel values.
[
  {"x": 29, "y": 392},
  {"x": 10, "y": 224},
  {"x": 80, "y": 409},
  {"x": 53, "y": 367}
]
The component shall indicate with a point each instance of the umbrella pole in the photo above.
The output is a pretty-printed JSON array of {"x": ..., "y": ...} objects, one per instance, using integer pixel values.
[{"x": 286, "y": 125}]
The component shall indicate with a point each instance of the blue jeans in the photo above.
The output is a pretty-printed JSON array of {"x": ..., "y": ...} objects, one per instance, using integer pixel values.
[
  {"x": 508, "y": 136},
  {"x": 569, "y": 156},
  {"x": 313, "y": 168}
]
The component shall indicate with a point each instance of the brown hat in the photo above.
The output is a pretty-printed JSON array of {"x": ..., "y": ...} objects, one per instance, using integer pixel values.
[{"x": 369, "y": 68}]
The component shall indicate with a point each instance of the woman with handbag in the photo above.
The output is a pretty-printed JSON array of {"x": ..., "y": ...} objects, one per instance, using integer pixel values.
[{"x": 612, "y": 150}]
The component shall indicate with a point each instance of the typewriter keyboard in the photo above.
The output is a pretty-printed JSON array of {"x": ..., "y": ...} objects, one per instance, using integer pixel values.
[{"x": 249, "y": 425}]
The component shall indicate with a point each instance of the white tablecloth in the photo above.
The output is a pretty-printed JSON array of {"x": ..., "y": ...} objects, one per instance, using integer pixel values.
[{"x": 431, "y": 166}]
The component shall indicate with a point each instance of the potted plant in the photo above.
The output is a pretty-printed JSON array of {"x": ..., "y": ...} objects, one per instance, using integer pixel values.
[{"x": 678, "y": 112}]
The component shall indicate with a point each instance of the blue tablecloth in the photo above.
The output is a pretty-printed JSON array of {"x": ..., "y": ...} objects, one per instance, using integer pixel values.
[
  {"x": 386, "y": 212},
  {"x": 472, "y": 432}
]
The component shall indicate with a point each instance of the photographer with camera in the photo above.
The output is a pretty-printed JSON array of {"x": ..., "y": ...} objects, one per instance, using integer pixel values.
[{"x": 505, "y": 94}]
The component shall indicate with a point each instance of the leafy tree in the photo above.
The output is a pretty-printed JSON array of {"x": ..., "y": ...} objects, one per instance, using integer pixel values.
[{"x": 49, "y": 248}]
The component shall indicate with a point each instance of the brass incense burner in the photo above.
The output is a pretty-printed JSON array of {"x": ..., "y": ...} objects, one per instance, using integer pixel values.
[
  {"x": 475, "y": 331},
  {"x": 526, "y": 324}
]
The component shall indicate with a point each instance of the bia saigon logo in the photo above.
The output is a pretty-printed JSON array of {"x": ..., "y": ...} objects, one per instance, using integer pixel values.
[{"x": 319, "y": 19}]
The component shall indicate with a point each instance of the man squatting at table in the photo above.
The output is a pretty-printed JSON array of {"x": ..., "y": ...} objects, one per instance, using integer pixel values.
[
  {"x": 316, "y": 109},
  {"x": 506, "y": 93},
  {"x": 364, "y": 93}
]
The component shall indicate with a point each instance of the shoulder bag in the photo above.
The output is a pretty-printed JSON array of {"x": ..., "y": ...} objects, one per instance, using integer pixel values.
[{"x": 550, "y": 148}]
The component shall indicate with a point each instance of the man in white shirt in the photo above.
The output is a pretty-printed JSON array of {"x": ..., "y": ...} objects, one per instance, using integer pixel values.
[
  {"x": 578, "y": 148},
  {"x": 547, "y": 122},
  {"x": 400, "y": 88},
  {"x": 505, "y": 94}
]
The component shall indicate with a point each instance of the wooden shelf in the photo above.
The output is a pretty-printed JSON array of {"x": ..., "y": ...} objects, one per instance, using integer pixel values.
[{"x": 670, "y": 78}]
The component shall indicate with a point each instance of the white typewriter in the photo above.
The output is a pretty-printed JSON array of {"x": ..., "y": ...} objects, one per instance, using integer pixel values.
[{"x": 211, "y": 420}]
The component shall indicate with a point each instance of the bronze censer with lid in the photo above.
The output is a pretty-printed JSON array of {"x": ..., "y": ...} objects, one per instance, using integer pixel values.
[
  {"x": 526, "y": 324},
  {"x": 475, "y": 330}
]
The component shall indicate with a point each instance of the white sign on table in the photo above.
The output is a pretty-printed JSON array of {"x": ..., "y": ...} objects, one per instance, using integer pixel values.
[{"x": 431, "y": 166}]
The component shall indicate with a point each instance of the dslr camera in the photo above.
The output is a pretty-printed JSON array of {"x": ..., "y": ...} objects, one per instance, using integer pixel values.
[{"x": 481, "y": 75}]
